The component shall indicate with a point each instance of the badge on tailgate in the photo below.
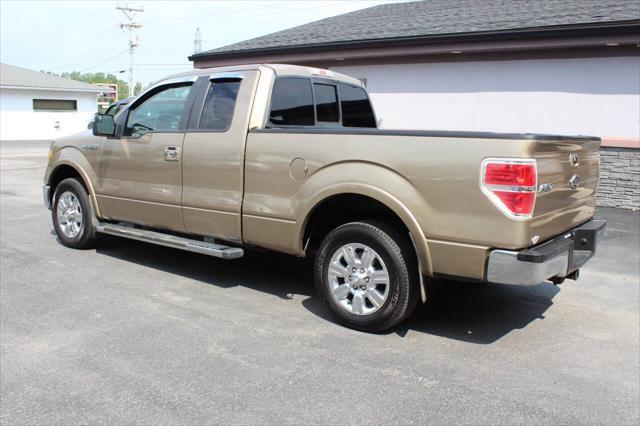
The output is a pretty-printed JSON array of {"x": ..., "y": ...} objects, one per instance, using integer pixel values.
[{"x": 574, "y": 182}]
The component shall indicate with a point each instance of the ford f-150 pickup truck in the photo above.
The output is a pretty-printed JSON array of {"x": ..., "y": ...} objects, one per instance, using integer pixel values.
[{"x": 290, "y": 158}]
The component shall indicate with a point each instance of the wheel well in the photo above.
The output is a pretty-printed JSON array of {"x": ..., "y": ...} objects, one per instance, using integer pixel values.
[
  {"x": 345, "y": 208},
  {"x": 61, "y": 173}
]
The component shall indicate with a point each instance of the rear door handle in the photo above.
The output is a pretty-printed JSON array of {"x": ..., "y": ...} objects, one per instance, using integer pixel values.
[{"x": 171, "y": 153}]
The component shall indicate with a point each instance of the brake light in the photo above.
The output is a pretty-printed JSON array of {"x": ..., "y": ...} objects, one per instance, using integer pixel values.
[
  {"x": 514, "y": 174},
  {"x": 511, "y": 185}
]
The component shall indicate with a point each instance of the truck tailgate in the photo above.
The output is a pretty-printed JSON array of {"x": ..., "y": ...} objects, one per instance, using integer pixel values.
[{"x": 568, "y": 171}]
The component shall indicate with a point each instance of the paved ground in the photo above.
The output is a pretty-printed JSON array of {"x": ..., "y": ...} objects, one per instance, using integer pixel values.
[{"x": 133, "y": 333}]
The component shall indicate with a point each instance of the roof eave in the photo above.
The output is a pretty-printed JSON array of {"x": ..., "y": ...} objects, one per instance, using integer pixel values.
[
  {"x": 57, "y": 89},
  {"x": 604, "y": 28}
]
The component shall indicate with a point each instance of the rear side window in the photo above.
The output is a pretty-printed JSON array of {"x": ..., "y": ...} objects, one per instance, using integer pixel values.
[
  {"x": 326, "y": 103},
  {"x": 219, "y": 105},
  {"x": 356, "y": 108},
  {"x": 292, "y": 103}
]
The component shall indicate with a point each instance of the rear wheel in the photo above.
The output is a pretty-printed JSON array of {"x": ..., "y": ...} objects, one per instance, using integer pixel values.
[
  {"x": 71, "y": 215},
  {"x": 367, "y": 276}
]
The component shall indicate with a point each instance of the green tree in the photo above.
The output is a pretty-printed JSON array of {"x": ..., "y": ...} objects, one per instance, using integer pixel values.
[{"x": 100, "y": 77}]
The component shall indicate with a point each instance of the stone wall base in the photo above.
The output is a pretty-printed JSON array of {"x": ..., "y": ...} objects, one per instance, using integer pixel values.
[{"x": 619, "y": 178}]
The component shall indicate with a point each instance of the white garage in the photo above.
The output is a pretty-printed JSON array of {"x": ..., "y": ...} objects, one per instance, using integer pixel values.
[{"x": 38, "y": 106}]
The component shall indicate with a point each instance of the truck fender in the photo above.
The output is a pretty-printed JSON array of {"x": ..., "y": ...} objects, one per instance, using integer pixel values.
[
  {"x": 70, "y": 157},
  {"x": 368, "y": 180}
]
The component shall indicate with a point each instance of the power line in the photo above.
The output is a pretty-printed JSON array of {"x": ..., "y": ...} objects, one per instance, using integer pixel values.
[
  {"x": 48, "y": 35},
  {"x": 251, "y": 11},
  {"x": 46, "y": 32},
  {"x": 104, "y": 62}
]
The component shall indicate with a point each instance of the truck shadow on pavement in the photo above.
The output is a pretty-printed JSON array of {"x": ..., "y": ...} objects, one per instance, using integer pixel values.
[
  {"x": 470, "y": 312},
  {"x": 479, "y": 313}
]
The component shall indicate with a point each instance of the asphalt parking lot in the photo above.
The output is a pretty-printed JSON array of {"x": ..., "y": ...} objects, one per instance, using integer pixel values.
[{"x": 134, "y": 333}]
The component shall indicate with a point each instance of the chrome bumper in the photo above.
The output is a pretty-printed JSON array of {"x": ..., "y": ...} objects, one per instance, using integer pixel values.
[
  {"x": 556, "y": 258},
  {"x": 46, "y": 196}
]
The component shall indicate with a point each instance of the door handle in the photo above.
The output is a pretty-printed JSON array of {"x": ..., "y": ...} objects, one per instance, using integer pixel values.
[{"x": 171, "y": 153}]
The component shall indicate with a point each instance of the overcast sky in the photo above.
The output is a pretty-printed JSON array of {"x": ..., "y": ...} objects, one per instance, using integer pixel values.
[{"x": 85, "y": 35}]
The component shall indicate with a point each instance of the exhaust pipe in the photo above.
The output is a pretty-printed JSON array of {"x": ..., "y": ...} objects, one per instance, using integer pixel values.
[{"x": 572, "y": 276}]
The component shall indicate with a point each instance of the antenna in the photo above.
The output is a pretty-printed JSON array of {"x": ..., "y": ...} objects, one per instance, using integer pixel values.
[
  {"x": 197, "y": 42},
  {"x": 130, "y": 26}
]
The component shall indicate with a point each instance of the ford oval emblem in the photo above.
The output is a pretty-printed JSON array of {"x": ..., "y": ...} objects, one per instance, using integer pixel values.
[{"x": 574, "y": 182}]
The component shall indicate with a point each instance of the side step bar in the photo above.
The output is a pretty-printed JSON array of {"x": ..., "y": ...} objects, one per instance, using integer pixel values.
[{"x": 211, "y": 249}]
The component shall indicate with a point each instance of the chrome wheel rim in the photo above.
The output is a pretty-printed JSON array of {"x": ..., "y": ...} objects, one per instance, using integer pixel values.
[
  {"x": 358, "y": 279},
  {"x": 69, "y": 214}
]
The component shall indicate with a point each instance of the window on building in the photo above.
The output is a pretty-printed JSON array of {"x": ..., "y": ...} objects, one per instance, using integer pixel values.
[
  {"x": 219, "y": 105},
  {"x": 55, "y": 105},
  {"x": 292, "y": 103},
  {"x": 356, "y": 108},
  {"x": 160, "y": 112},
  {"x": 326, "y": 103}
]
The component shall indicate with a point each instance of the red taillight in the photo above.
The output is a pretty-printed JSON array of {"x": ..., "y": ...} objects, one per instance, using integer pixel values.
[
  {"x": 510, "y": 185},
  {"x": 510, "y": 174},
  {"x": 517, "y": 202}
]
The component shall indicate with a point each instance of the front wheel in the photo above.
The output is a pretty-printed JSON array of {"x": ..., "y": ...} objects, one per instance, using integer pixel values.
[
  {"x": 367, "y": 275},
  {"x": 71, "y": 215}
]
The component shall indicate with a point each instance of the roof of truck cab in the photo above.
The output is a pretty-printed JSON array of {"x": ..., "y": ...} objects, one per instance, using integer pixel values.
[{"x": 279, "y": 69}]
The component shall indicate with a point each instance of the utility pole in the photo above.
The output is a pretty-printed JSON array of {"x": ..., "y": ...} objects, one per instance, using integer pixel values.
[
  {"x": 130, "y": 26},
  {"x": 197, "y": 42}
]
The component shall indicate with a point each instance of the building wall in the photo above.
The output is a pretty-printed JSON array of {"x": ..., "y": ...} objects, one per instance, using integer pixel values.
[
  {"x": 588, "y": 96},
  {"x": 18, "y": 120},
  {"x": 592, "y": 96}
]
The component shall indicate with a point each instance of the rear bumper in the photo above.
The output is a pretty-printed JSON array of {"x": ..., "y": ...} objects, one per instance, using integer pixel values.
[{"x": 555, "y": 258}]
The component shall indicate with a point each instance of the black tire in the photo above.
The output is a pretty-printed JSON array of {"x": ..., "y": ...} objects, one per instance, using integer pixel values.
[
  {"x": 398, "y": 254},
  {"x": 85, "y": 238}
]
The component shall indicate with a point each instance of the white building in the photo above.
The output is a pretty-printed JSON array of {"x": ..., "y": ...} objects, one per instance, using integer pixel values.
[
  {"x": 567, "y": 67},
  {"x": 544, "y": 66},
  {"x": 38, "y": 106},
  {"x": 568, "y": 96}
]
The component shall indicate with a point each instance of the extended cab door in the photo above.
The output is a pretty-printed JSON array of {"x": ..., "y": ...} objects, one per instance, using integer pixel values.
[
  {"x": 140, "y": 171},
  {"x": 213, "y": 157},
  {"x": 295, "y": 143}
]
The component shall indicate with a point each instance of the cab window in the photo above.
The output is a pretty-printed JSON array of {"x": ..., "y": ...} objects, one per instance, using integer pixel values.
[
  {"x": 355, "y": 106},
  {"x": 160, "y": 112},
  {"x": 326, "y": 97},
  {"x": 292, "y": 103},
  {"x": 219, "y": 105}
]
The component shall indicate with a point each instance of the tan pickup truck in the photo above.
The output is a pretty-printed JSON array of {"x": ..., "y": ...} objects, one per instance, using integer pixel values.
[{"x": 290, "y": 159}]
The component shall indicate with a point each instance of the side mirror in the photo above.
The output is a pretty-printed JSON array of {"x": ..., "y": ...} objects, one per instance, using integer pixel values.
[{"x": 104, "y": 125}]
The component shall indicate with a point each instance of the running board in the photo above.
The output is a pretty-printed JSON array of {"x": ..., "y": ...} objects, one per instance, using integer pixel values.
[{"x": 153, "y": 237}]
